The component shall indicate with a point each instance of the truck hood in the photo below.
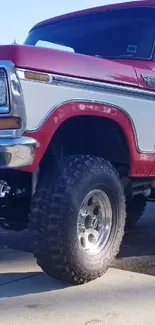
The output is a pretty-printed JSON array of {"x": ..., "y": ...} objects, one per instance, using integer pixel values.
[{"x": 69, "y": 64}]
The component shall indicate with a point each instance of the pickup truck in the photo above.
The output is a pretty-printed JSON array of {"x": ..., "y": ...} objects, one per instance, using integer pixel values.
[{"x": 77, "y": 135}]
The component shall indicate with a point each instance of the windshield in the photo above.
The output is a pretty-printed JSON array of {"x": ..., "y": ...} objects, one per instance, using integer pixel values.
[{"x": 124, "y": 33}]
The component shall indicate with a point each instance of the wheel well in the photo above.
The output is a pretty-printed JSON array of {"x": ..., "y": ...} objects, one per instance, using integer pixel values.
[{"x": 93, "y": 135}]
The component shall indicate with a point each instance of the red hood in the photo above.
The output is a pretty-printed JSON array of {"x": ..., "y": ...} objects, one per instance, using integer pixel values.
[{"x": 69, "y": 64}]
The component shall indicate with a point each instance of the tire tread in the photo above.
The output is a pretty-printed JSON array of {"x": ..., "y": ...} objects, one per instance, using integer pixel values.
[{"x": 47, "y": 228}]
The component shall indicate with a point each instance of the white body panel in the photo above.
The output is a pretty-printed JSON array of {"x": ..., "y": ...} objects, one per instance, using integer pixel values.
[{"x": 41, "y": 98}]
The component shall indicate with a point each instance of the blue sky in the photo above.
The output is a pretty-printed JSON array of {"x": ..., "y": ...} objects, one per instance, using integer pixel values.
[{"x": 18, "y": 16}]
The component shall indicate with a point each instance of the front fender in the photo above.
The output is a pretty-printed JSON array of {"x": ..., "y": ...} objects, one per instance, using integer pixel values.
[{"x": 140, "y": 163}]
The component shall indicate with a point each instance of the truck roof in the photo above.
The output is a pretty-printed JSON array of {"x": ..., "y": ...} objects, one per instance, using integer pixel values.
[{"x": 138, "y": 3}]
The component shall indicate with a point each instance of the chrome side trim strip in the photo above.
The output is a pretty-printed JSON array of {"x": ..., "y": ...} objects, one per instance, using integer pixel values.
[{"x": 60, "y": 80}]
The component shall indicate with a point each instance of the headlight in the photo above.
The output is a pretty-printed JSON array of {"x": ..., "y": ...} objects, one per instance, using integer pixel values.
[{"x": 3, "y": 92}]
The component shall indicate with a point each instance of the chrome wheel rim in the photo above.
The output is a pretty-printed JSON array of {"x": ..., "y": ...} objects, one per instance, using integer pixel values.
[{"x": 94, "y": 222}]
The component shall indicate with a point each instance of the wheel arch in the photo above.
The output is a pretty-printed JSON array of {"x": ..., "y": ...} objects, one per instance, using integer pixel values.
[{"x": 80, "y": 108}]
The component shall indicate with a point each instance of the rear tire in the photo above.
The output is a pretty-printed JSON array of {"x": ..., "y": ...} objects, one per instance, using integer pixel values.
[{"x": 55, "y": 223}]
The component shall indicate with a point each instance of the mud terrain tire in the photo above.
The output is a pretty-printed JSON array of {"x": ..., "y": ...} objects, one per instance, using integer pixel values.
[{"x": 54, "y": 218}]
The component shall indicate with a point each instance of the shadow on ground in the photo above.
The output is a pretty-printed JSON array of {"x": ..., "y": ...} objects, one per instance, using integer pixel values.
[
  {"x": 12, "y": 284},
  {"x": 40, "y": 283}
]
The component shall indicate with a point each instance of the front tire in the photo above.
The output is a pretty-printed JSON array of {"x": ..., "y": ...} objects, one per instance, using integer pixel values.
[{"x": 78, "y": 218}]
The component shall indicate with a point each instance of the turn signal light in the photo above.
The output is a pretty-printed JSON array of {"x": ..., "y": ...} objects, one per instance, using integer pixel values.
[
  {"x": 8, "y": 123},
  {"x": 36, "y": 76}
]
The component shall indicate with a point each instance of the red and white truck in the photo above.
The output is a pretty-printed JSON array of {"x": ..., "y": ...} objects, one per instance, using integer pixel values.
[{"x": 77, "y": 135}]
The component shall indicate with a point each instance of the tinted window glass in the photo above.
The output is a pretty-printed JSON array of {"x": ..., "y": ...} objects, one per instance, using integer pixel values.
[{"x": 124, "y": 33}]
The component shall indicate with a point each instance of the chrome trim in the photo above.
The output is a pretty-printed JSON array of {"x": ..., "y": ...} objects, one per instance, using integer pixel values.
[
  {"x": 102, "y": 86},
  {"x": 15, "y": 153},
  {"x": 60, "y": 80},
  {"x": 15, "y": 98}
]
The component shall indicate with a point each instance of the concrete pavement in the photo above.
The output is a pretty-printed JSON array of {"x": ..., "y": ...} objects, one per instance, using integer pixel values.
[
  {"x": 119, "y": 298},
  {"x": 27, "y": 296}
]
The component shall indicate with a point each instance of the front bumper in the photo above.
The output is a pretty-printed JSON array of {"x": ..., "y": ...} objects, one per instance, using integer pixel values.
[{"x": 16, "y": 153}]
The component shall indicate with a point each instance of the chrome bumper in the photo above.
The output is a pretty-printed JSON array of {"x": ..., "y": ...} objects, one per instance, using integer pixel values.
[{"x": 15, "y": 153}]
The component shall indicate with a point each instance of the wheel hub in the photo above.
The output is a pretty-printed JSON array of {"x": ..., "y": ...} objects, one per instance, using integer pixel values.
[
  {"x": 91, "y": 222},
  {"x": 94, "y": 222}
]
